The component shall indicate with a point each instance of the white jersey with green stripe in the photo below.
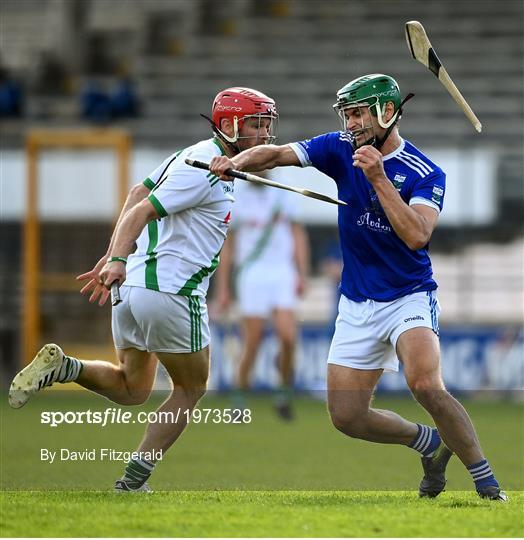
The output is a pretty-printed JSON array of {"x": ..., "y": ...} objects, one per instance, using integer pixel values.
[
  {"x": 178, "y": 252},
  {"x": 262, "y": 226}
]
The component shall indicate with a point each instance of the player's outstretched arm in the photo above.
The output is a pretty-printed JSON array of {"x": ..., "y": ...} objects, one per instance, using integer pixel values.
[
  {"x": 93, "y": 287},
  {"x": 255, "y": 159}
]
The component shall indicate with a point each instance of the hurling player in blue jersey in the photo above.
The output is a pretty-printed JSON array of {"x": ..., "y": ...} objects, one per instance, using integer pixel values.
[{"x": 388, "y": 309}]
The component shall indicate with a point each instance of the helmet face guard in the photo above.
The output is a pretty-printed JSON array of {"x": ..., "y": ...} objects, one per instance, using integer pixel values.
[
  {"x": 238, "y": 123},
  {"x": 374, "y": 110},
  {"x": 372, "y": 92},
  {"x": 240, "y": 104}
]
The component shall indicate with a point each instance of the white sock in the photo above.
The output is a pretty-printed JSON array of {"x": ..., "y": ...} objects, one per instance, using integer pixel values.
[{"x": 71, "y": 368}]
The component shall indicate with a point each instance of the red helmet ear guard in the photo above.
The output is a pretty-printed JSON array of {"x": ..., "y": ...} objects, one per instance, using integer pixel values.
[{"x": 238, "y": 103}]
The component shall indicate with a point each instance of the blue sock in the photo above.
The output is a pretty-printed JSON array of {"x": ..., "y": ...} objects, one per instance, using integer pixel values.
[
  {"x": 482, "y": 474},
  {"x": 426, "y": 441}
]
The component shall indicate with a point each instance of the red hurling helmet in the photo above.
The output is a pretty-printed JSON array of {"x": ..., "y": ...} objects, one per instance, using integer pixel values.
[{"x": 237, "y": 104}]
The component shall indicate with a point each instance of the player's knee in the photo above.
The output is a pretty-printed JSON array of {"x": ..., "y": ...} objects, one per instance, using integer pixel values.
[
  {"x": 192, "y": 393},
  {"x": 338, "y": 420},
  {"x": 423, "y": 384},
  {"x": 135, "y": 398},
  {"x": 427, "y": 390},
  {"x": 347, "y": 421},
  {"x": 198, "y": 393}
]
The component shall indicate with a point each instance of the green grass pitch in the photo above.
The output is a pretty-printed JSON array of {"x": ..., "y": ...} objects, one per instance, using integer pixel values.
[
  {"x": 258, "y": 514},
  {"x": 265, "y": 479}
]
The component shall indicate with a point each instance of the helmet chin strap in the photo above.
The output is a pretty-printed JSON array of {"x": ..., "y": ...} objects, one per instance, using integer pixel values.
[
  {"x": 228, "y": 141},
  {"x": 369, "y": 142},
  {"x": 378, "y": 142}
]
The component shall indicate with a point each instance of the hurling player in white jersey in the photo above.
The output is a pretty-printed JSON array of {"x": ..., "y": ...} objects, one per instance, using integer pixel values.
[
  {"x": 268, "y": 249},
  {"x": 178, "y": 220},
  {"x": 388, "y": 311}
]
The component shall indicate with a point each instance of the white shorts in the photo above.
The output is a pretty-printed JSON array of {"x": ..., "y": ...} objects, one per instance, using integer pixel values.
[
  {"x": 160, "y": 322},
  {"x": 366, "y": 333},
  {"x": 260, "y": 290}
]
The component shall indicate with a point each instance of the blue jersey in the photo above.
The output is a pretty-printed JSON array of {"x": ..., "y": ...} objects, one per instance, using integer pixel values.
[{"x": 378, "y": 265}]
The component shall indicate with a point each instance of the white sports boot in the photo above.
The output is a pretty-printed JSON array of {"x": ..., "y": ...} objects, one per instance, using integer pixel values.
[
  {"x": 121, "y": 486},
  {"x": 41, "y": 372}
]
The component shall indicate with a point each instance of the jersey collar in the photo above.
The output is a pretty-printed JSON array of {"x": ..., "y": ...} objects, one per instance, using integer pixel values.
[
  {"x": 219, "y": 144},
  {"x": 396, "y": 151}
]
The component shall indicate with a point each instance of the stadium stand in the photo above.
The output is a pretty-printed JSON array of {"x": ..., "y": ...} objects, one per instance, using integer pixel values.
[
  {"x": 182, "y": 52},
  {"x": 299, "y": 54}
]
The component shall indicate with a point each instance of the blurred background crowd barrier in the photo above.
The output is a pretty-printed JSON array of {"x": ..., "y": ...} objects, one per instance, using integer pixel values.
[{"x": 148, "y": 68}]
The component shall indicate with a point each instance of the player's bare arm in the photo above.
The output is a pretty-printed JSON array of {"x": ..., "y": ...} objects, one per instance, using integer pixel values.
[
  {"x": 93, "y": 287},
  {"x": 301, "y": 255},
  {"x": 413, "y": 224},
  {"x": 136, "y": 194},
  {"x": 255, "y": 159},
  {"x": 222, "y": 298},
  {"x": 126, "y": 234}
]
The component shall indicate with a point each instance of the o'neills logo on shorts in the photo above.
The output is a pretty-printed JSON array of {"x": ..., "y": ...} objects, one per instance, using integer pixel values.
[{"x": 415, "y": 318}]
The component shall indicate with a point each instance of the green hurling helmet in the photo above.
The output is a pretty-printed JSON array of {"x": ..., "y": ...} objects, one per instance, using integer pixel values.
[{"x": 373, "y": 91}]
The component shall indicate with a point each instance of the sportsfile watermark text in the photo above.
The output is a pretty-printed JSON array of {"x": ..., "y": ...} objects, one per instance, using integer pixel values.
[{"x": 115, "y": 415}]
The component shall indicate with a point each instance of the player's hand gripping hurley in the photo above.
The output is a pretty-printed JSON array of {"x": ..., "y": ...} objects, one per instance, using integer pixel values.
[
  {"x": 259, "y": 180},
  {"x": 422, "y": 50},
  {"x": 115, "y": 294}
]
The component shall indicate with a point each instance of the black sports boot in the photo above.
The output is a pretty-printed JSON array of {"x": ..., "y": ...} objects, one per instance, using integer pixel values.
[
  {"x": 434, "y": 480},
  {"x": 493, "y": 493},
  {"x": 285, "y": 411}
]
